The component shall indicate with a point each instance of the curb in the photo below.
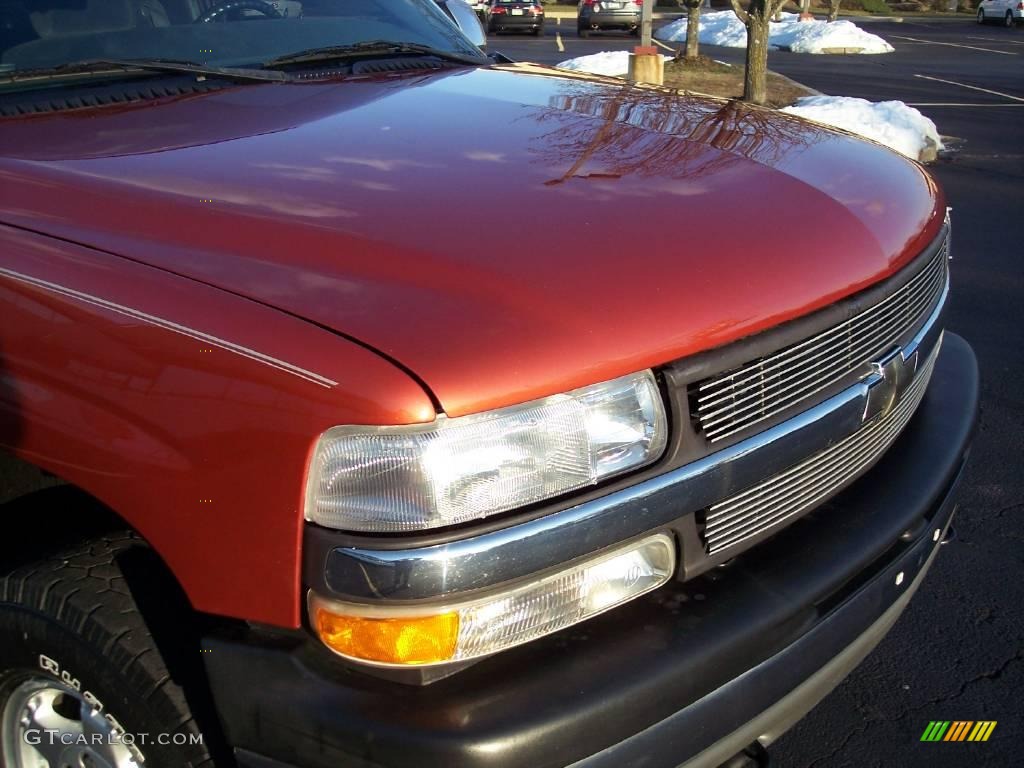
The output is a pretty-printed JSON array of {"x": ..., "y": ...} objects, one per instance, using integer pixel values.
[{"x": 797, "y": 83}]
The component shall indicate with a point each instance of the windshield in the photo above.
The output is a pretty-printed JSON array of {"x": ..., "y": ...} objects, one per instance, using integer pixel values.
[{"x": 42, "y": 34}]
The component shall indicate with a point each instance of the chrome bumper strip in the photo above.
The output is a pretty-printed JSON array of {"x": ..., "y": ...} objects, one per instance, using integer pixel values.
[{"x": 530, "y": 548}]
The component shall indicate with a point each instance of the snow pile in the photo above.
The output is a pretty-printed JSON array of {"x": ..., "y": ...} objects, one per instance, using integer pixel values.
[
  {"x": 723, "y": 28},
  {"x": 716, "y": 28},
  {"x": 614, "y": 63},
  {"x": 892, "y": 123},
  {"x": 819, "y": 36}
]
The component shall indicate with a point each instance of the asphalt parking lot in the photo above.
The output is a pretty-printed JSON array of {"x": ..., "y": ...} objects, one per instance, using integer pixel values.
[{"x": 958, "y": 652}]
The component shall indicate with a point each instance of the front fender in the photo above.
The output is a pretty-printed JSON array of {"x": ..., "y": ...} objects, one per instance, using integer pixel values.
[{"x": 189, "y": 411}]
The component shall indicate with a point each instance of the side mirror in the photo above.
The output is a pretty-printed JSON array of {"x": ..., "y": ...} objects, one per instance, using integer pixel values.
[{"x": 466, "y": 20}]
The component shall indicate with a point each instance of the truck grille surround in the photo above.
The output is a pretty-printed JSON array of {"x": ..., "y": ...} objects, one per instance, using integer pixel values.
[{"x": 801, "y": 375}]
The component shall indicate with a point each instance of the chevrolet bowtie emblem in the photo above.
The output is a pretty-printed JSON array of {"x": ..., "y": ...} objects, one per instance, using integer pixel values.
[{"x": 887, "y": 382}]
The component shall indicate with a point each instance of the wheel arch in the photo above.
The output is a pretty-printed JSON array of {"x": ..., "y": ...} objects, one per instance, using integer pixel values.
[{"x": 60, "y": 522}]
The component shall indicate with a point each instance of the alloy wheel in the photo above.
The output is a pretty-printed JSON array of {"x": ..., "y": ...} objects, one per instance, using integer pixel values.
[{"x": 46, "y": 724}]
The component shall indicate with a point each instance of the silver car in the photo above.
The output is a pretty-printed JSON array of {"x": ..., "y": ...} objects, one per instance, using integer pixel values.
[{"x": 1005, "y": 12}]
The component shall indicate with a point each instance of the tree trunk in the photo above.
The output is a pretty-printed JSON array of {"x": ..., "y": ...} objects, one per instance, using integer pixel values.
[
  {"x": 692, "y": 29},
  {"x": 833, "y": 11},
  {"x": 755, "y": 83}
]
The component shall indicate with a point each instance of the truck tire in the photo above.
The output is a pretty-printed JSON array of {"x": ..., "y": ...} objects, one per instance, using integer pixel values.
[{"x": 77, "y": 658}]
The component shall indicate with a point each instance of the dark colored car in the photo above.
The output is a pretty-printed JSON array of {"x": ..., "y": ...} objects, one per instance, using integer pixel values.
[
  {"x": 514, "y": 16},
  {"x": 304, "y": 473},
  {"x": 601, "y": 15}
]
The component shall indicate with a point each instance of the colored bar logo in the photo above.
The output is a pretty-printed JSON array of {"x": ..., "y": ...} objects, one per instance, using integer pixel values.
[{"x": 958, "y": 730}]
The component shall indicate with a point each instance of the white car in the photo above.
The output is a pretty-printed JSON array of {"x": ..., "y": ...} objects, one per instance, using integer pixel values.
[{"x": 1005, "y": 12}]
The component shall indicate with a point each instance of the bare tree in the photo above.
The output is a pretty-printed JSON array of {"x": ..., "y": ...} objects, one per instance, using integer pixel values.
[
  {"x": 833, "y": 9},
  {"x": 756, "y": 19},
  {"x": 692, "y": 27}
]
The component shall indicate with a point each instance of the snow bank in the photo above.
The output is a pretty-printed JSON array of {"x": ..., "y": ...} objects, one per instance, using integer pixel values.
[
  {"x": 892, "y": 123},
  {"x": 614, "y": 63},
  {"x": 723, "y": 28}
]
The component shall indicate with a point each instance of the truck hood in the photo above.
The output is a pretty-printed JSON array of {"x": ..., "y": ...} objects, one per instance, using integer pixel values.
[{"x": 504, "y": 233}]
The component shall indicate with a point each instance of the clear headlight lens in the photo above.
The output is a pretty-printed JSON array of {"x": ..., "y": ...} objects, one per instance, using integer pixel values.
[
  {"x": 439, "y": 634},
  {"x": 393, "y": 479}
]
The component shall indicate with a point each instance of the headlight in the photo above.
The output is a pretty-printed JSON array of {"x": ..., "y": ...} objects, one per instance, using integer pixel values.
[
  {"x": 424, "y": 635},
  {"x": 391, "y": 479}
]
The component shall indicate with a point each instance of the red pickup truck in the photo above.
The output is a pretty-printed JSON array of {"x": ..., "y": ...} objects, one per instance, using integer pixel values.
[{"x": 396, "y": 406}]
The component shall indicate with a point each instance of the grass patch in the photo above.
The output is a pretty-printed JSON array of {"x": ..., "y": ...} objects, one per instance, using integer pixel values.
[
  {"x": 705, "y": 75},
  {"x": 875, "y": 6}
]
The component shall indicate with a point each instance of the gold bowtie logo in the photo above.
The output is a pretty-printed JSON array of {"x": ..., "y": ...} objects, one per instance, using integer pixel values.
[{"x": 887, "y": 382}]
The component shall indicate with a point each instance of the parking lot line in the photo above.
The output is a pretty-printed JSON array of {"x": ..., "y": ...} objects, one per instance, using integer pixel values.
[
  {"x": 954, "y": 45},
  {"x": 559, "y": 43},
  {"x": 996, "y": 40},
  {"x": 971, "y": 87}
]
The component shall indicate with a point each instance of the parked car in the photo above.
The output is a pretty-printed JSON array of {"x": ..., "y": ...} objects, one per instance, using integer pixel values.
[
  {"x": 602, "y": 15},
  {"x": 301, "y": 471},
  {"x": 514, "y": 16},
  {"x": 1005, "y": 12}
]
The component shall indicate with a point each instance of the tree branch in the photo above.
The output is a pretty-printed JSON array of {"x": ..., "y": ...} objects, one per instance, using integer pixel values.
[{"x": 740, "y": 13}]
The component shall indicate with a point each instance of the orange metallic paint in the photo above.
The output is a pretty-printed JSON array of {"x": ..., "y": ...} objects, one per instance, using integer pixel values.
[{"x": 503, "y": 233}]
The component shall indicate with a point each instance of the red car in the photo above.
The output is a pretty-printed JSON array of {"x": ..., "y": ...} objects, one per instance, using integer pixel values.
[{"x": 304, "y": 471}]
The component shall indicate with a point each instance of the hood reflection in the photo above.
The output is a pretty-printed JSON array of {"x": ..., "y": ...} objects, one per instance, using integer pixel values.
[{"x": 655, "y": 133}]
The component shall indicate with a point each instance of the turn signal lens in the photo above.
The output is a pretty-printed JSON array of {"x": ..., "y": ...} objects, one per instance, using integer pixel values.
[
  {"x": 420, "y": 635},
  {"x": 408, "y": 640}
]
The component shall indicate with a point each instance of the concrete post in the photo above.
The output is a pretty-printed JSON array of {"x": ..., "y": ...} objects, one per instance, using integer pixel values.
[
  {"x": 646, "y": 22},
  {"x": 646, "y": 66}
]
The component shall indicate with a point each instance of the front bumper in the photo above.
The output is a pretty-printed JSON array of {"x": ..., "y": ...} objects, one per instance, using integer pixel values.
[{"x": 691, "y": 672}]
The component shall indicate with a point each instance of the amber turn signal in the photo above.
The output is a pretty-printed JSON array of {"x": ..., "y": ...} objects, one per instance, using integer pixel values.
[
  {"x": 406, "y": 640},
  {"x": 429, "y": 633}
]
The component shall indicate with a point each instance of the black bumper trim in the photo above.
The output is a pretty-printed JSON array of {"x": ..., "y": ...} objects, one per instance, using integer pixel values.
[
  {"x": 693, "y": 661},
  {"x": 739, "y": 698}
]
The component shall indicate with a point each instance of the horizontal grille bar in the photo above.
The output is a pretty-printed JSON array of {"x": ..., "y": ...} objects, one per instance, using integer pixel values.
[
  {"x": 735, "y": 401},
  {"x": 808, "y": 483}
]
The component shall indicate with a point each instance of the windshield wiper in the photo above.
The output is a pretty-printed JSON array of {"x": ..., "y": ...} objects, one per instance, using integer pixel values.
[
  {"x": 108, "y": 66},
  {"x": 370, "y": 48}
]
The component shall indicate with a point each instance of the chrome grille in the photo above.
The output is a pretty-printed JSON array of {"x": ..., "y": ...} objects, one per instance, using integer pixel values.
[
  {"x": 808, "y": 483},
  {"x": 734, "y": 401}
]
